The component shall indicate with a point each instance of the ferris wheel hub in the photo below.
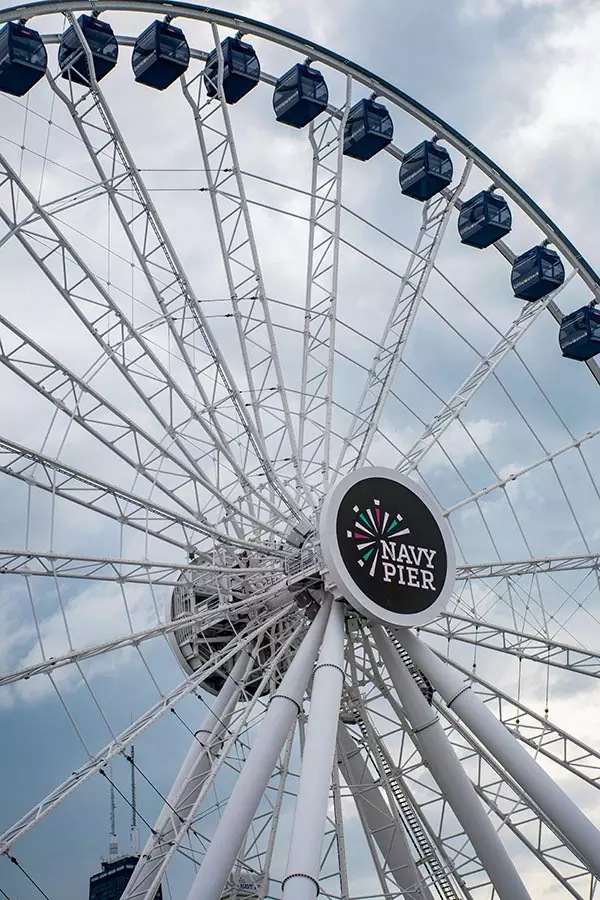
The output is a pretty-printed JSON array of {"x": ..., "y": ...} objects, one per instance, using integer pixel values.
[{"x": 387, "y": 547}]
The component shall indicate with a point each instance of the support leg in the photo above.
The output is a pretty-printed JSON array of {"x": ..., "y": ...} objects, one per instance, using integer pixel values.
[
  {"x": 192, "y": 773},
  {"x": 254, "y": 777},
  {"x": 450, "y": 775},
  {"x": 577, "y": 830},
  {"x": 304, "y": 861}
]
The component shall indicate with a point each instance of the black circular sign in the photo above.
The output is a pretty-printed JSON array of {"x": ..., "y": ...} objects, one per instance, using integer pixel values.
[{"x": 391, "y": 545}]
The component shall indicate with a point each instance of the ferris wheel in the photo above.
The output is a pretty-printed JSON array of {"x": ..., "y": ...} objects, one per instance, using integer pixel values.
[{"x": 299, "y": 413}]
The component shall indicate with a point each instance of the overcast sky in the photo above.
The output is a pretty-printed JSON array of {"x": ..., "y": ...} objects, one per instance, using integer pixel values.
[{"x": 519, "y": 78}]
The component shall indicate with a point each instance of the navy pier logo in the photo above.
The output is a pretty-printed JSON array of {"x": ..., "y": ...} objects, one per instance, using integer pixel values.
[
  {"x": 381, "y": 542},
  {"x": 391, "y": 545}
]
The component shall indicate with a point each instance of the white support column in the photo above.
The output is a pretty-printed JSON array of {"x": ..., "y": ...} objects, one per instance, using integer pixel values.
[
  {"x": 379, "y": 820},
  {"x": 192, "y": 774},
  {"x": 577, "y": 830},
  {"x": 450, "y": 775},
  {"x": 301, "y": 881},
  {"x": 254, "y": 777}
]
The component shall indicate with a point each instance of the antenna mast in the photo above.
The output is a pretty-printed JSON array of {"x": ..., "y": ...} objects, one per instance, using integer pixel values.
[
  {"x": 135, "y": 835},
  {"x": 113, "y": 842}
]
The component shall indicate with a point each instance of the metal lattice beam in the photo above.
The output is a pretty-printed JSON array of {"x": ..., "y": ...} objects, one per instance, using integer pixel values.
[
  {"x": 326, "y": 136},
  {"x": 119, "y": 744},
  {"x": 534, "y": 647},
  {"x": 245, "y": 281},
  {"x": 128, "y": 348},
  {"x": 380, "y": 378},
  {"x": 203, "y": 619},
  {"x": 124, "y": 571},
  {"x": 144, "y": 453},
  {"x": 535, "y": 566},
  {"x": 62, "y": 480},
  {"x": 473, "y": 383}
]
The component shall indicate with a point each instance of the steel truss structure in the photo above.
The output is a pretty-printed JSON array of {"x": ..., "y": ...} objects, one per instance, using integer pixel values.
[{"x": 216, "y": 318}]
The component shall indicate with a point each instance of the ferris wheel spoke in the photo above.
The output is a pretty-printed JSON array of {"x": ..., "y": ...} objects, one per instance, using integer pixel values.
[
  {"x": 537, "y": 648},
  {"x": 146, "y": 455},
  {"x": 513, "y": 476},
  {"x": 365, "y": 421},
  {"x": 130, "y": 571},
  {"x": 535, "y": 730},
  {"x": 98, "y": 761},
  {"x": 203, "y": 619},
  {"x": 475, "y": 381},
  {"x": 168, "y": 832},
  {"x": 511, "y": 804},
  {"x": 245, "y": 282},
  {"x": 192, "y": 785},
  {"x": 154, "y": 250},
  {"x": 129, "y": 348},
  {"x": 320, "y": 317},
  {"x": 532, "y": 566},
  {"x": 125, "y": 507}
]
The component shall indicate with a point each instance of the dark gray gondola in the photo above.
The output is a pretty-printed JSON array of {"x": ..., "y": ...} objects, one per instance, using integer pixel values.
[
  {"x": 23, "y": 59},
  {"x": 160, "y": 55},
  {"x": 425, "y": 171},
  {"x": 579, "y": 334},
  {"x": 536, "y": 273},
  {"x": 369, "y": 128},
  {"x": 299, "y": 96},
  {"x": 484, "y": 219},
  {"x": 241, "y": 70},
  {"x": 102, "y": 42}
]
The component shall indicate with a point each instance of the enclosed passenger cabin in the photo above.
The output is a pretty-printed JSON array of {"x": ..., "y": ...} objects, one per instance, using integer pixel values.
[
  {"x": 161, "y": 54},
  {"x": 23, "y": 59},
  {"x": 369, "y": 128},
  {"x": 102, "y": 42},
  {"x": 241, "y": 70},
  {"x": 426, "y": 170},
  {"x": 299, "y": 96},
  {"x": 536, "y": 273},
  {"x": 579, "y": 335},
  {"x": 484, "y": 219}
]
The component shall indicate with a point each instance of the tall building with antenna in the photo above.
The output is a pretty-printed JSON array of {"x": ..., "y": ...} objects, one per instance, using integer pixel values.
[{"x": 110, "y": 883}]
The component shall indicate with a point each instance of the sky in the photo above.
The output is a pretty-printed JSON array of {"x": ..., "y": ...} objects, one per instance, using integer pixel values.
[{"x": 518, "y": 78}]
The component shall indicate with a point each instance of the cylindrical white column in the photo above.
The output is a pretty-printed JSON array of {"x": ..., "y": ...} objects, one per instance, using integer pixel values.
[
  {"x": 253, "y": 779},
  {"x": 377, "y": 818},
  {"x": 450, "y": 775},
  {"x": 188, "y": 783},
  {"x": 577, "y": 830},
  {"x": 301, "y": 881}
]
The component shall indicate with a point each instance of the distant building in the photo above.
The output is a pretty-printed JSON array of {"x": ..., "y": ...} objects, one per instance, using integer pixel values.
[{"x": 110, "y": 883}]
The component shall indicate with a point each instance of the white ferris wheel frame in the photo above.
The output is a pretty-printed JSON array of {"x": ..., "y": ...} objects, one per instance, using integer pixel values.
[{"x": 181, "y": 533}]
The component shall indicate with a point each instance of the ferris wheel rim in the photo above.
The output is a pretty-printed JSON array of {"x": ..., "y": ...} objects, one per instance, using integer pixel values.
[{"x": 382, "y": 87}]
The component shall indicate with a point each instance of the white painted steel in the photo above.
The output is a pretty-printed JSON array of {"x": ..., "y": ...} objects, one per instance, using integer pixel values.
[
  {"x": 450, "y": 775},
  {"x": 252, "y": 781},
  {"x": 255, "y": 515},
  {"x": 99, "y": 760},
  {"x": 193, "y": 771},
  {"x": 378, "y": 819},
  {"x": 579, "y": 832},
  {"x": 370, "y": 407},
  {"x": 301, "y": 881}
]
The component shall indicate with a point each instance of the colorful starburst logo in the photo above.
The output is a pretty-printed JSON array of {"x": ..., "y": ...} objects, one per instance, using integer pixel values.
[{"x": 371, "y": 528}]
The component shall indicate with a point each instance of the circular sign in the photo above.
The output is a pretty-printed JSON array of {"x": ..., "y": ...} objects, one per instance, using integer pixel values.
[{"x": 387, "y": 547}]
